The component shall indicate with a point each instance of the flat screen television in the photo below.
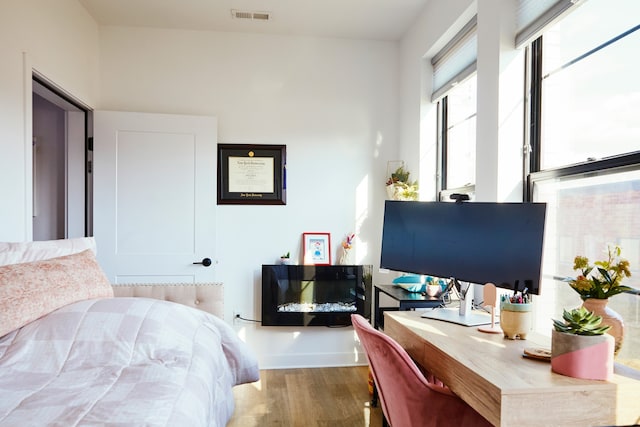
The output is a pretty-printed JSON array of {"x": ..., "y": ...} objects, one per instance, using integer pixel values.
[{"x": 475, "y": 242}]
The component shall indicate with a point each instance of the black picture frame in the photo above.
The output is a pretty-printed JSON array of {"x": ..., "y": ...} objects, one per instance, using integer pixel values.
[{"x": 252, "y": 174}]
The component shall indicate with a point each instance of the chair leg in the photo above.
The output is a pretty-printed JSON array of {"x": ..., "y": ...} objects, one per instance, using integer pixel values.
[{"x": 374, "y": 397}]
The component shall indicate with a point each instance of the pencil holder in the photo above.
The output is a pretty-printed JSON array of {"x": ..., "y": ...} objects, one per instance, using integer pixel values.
[{"x": 515, "y": 320}]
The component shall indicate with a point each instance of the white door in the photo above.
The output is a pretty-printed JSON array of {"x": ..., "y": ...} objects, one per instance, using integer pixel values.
[{"x": 154, "y": 189}]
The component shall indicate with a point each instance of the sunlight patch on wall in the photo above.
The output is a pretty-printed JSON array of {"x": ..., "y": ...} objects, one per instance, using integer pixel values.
[
  {"x": 378, "y": 144},
  {"x": 362, "y": 212}
]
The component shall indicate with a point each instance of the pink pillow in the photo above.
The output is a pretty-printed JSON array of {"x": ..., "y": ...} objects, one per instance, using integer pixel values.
[{"x": 30, "y": 290}]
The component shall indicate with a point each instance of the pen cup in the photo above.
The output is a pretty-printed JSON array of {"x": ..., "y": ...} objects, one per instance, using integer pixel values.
[{"x": 515, "y": 319}]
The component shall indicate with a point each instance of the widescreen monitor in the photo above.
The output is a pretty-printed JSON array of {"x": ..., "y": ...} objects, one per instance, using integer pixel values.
[{"x": 475, "y": 242}]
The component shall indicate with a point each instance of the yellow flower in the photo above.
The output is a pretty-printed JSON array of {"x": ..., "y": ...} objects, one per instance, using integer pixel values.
[{"x": 602, "y": 280}]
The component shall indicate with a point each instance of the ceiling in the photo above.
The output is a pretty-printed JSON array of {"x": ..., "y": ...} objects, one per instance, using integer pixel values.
[{"x": 358, "y": 19}]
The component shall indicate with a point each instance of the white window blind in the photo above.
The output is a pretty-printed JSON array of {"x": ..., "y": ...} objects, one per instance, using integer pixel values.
[
  {"x": 532, "y": 16},
  {"x": 456, "y": 60}
]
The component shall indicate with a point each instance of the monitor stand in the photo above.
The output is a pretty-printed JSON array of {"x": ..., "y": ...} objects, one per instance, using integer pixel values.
[{"x": 462, "y": 315}]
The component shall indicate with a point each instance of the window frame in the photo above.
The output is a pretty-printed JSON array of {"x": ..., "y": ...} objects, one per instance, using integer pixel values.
[
  {"x": 443, "y": 190},
  {"x": 608, "y": 165}
]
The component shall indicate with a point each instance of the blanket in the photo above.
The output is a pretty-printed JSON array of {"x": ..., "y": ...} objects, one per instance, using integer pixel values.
[{"x": 122, "y": 361}]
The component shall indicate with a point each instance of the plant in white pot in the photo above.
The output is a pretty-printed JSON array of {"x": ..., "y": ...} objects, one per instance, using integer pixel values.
[
  {"x": 285, "y": 259},
  {"x": 580, "y": 346},
  {"x": 400, "y": 187}
]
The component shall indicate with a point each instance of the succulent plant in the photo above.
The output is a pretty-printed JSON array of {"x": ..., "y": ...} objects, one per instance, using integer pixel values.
[{"x": 580, "y": 321}]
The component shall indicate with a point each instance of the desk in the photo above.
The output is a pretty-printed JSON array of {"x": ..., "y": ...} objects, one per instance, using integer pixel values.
[
  {"x": 489, "y": 373},
  {"x": 406, "y": 301}
]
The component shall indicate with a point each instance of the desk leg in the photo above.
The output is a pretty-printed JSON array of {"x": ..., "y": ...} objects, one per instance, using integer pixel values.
[{"x": 378, "y": 320}]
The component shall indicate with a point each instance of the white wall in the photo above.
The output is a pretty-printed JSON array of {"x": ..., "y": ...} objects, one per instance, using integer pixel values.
[
  {"x": 342, "y": 107},
  {"x": 332, "y": 102},
  {"x": 60, "y": 40}
]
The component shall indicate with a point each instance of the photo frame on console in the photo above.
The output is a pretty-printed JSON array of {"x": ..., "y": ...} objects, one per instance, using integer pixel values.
[
  {"x": 252, "y": 174},
  {"x": 316, "y": 248}
]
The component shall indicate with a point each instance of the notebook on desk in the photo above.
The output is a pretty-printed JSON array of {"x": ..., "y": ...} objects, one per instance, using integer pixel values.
[{"x": 474, "y": 318}]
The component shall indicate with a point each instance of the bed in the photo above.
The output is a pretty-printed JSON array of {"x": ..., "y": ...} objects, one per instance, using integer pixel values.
[{"x": 72, "y": 354}]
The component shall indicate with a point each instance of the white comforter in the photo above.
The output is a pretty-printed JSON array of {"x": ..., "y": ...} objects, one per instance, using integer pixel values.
[{"x": 122, "y": 361}]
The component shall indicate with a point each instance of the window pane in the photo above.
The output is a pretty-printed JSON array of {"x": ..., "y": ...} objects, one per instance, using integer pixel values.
[
  {"x": 590, "y": 107},
  {"x": 584, "y": 214},
  {"x": 461, "y": 134},
  {"x": 590, "y": 24}
]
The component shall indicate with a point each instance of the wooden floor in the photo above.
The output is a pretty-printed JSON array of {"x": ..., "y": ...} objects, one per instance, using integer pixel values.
[{"x": 315, "y": 397}]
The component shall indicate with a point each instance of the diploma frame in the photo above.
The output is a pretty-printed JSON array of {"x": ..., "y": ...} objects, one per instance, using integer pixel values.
[
  {"x": 252, "y": 174},
  {"x": 316, "y": 248}
]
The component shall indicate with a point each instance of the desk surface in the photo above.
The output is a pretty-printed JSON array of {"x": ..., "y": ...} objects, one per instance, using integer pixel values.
[{"x": 490, "y": 374}]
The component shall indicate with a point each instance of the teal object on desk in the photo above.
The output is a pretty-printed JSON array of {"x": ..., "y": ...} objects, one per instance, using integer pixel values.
[{"x": 411, "y": 282}]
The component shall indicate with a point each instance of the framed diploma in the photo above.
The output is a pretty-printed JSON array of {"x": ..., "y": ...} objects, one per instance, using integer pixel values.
[
  {"x": 252, "y": 174},
  {"x": 316, "y": 248}
]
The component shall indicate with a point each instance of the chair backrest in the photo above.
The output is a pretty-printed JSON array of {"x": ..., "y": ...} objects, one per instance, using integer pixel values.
[{"x": 407, "y": 398}]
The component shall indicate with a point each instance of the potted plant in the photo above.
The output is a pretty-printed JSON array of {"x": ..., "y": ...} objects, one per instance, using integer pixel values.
[
  {"x": 580, "y": 346},
  {"x": 597, "y": 283},
  {"x": 399, "y": 187},
  {"x": 285, "y": 259}
]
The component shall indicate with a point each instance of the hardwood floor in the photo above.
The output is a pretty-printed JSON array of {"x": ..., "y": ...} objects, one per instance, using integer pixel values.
[{"x": 314, "y": 397}]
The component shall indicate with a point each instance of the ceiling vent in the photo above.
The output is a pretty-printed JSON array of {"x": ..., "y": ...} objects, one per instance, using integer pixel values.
[{"x": 255, "y": 16}]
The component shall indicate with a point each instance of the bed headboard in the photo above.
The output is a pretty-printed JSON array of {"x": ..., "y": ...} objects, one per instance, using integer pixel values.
[{"x": 208, "y": 297}]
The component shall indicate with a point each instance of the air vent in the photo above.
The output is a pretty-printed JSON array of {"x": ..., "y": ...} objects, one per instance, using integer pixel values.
[
  {"x": 256, "y": 16},
  {"x": 261, "y": 16}
]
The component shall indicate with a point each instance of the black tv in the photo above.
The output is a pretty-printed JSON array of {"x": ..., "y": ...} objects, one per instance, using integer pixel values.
[{"x": 475, "y": 242}]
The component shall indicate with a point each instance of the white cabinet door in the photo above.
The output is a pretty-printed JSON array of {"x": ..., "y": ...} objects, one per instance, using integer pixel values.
[{"x": 154, "y": 204}]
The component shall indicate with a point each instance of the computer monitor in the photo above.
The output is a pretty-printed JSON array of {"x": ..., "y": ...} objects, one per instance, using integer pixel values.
[{"x": 474, "y": 242}]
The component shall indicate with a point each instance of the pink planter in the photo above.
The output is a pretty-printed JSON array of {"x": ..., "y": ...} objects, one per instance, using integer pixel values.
[{"x": 580, "y": 356}]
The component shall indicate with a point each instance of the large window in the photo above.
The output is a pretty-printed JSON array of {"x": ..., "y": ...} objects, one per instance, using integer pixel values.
[
  {"x": 455, "y": 91},
  {"x": 459, "y": 143},
  {"x": 590, "y": 84},
  {"x": 586, "y": 159}
]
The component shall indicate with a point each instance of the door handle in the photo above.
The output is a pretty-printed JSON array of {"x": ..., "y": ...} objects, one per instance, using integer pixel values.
[{"x": 206, "y": 262}]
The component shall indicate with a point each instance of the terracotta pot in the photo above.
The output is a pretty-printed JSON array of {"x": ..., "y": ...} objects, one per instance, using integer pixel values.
[
  {"x": 580, "y": 356},
  {"x": 609, "y": 317}
]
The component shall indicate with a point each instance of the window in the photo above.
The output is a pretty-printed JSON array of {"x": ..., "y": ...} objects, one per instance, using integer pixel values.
[
  {"x": 459, "y": 144},
  {"x": 585, "y": 162},
  {"x": 454, "y": 88},
  {"x": 591, "y": 93}
]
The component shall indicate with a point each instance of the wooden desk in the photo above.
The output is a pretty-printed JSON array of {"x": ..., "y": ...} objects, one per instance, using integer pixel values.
[{"x": 489, "y": 373}]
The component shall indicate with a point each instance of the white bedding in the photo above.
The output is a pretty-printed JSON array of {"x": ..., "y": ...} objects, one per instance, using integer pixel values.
[{"x": 122, "y": 361}]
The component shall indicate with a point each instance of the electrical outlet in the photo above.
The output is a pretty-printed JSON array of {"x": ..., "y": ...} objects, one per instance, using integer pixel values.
[{"x": 236, "y": 315}]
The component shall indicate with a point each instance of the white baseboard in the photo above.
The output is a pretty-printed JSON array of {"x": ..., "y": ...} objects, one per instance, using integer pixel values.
[{"x": 312, "y": 360}]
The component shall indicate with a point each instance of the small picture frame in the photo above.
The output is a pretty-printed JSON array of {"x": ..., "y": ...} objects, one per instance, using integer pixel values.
[{"x": 316, "y": 248}]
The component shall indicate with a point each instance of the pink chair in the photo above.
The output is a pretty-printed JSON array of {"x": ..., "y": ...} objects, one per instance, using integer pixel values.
[{"x": 408, "y": 399}]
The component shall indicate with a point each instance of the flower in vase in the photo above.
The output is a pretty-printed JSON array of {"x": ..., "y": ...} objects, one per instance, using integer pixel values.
[
  {"x": 348, "y": 241},
  {"x": 603, "y": 279}
]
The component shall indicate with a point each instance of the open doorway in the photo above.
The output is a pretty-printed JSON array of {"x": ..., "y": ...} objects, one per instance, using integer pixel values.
[{"x": 61, "y": 165}]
